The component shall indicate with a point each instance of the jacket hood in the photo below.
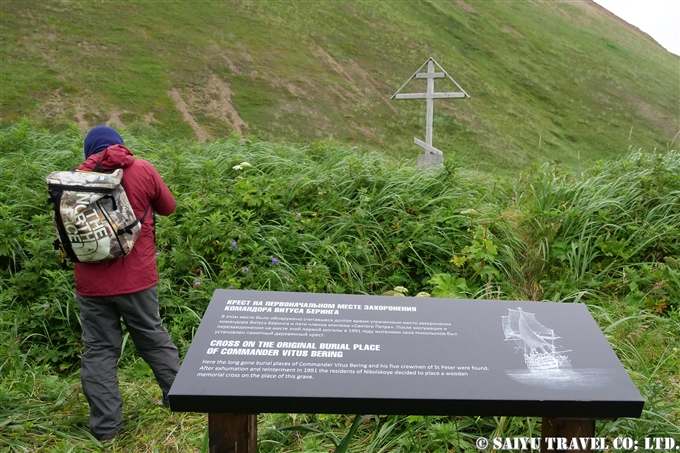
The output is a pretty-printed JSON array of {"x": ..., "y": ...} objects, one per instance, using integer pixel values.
[
  {"x": 99, "y": 138},
  {"x": 116, "y": 156}
]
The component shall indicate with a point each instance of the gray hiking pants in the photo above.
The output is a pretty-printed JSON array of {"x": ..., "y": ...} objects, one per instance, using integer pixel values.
[{"x": 102, "y": 340}]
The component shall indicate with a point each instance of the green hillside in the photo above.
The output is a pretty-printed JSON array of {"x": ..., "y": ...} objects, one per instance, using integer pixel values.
[{"x": 549, "y": 80}]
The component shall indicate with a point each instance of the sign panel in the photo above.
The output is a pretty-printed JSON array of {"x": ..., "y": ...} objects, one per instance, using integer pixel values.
[{"x": 258, "y": 351}]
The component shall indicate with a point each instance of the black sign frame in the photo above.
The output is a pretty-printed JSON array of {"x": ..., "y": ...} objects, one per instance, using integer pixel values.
[{"x": 399, "y": 337}]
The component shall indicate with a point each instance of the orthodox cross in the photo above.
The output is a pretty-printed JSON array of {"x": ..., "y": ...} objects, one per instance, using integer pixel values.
[{"x": 430, "y": 96}]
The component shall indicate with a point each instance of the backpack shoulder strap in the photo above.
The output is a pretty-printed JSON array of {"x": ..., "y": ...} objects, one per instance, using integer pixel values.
[
  {"x": 62, "y": 235},
  {"x": 129, "y": 228}
]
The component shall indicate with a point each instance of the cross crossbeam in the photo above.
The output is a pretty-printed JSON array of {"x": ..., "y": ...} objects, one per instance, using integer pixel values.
[
  {"x": 430, "y": 75},
  {"x": 430, "y": 96}
]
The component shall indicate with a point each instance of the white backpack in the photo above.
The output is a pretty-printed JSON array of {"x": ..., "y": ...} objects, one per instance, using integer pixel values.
[{"x": 93, "y": 218}]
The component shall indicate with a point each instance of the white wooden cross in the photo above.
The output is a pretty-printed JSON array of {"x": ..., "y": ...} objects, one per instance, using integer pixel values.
[{"x": 430, "y": 95}]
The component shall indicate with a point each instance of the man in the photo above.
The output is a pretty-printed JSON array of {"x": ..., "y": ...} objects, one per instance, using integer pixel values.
[{"x": 125, "y": 287}]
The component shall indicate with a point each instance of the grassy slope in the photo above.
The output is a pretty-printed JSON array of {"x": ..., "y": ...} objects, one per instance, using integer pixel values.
[{"x": 564, "y": 74}]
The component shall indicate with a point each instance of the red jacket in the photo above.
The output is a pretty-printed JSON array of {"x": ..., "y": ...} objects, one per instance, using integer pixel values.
[{"x": 144, "y": 187}]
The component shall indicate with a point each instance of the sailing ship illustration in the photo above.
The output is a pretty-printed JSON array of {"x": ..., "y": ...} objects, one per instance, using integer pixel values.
[{"x": 536, "y": 340}]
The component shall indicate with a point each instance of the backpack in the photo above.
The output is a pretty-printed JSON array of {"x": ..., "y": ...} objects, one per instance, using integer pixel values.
[{"x": 93, "y": 218}]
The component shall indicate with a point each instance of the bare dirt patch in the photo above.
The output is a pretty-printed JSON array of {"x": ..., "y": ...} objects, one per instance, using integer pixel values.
[
  {"x": 149, "y": 118},
  {"x": 222, "y": 106},
  {"x": 210, "y": 99},
  {"x": 53, "y": 107},
  {"x": 367, "y": 131},
  {"x": 114, "y": 118},
  {"x": 292, "y": 89},
  {"x": 466, "y": 7},
  {"x": 238, "y": 62},
  {"x": 341, "y": 93},
  {"x": 509, "y": 29},
  {"x": 80, "y": 117},
  {"x": 58, "y": 108},
  {"x": 321, "y": 54},
  {"x": 89, "y": 49},
  {"x": 201, "y": 134},
  {"x": 370, "y": 81}
]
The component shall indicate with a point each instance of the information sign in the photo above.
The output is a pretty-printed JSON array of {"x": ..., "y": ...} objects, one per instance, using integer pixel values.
[{"x": 279, "y": 352}]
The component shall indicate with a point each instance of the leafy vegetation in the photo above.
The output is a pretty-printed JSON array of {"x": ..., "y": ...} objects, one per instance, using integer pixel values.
[
  {"x": 329, "y": 218},
  {"x": 549, "y": 80}
]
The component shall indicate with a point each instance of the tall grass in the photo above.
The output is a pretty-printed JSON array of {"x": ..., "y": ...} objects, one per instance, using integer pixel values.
[
  {"x": 327, "y": 218},
  {"x": 622, "y": 216}
]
